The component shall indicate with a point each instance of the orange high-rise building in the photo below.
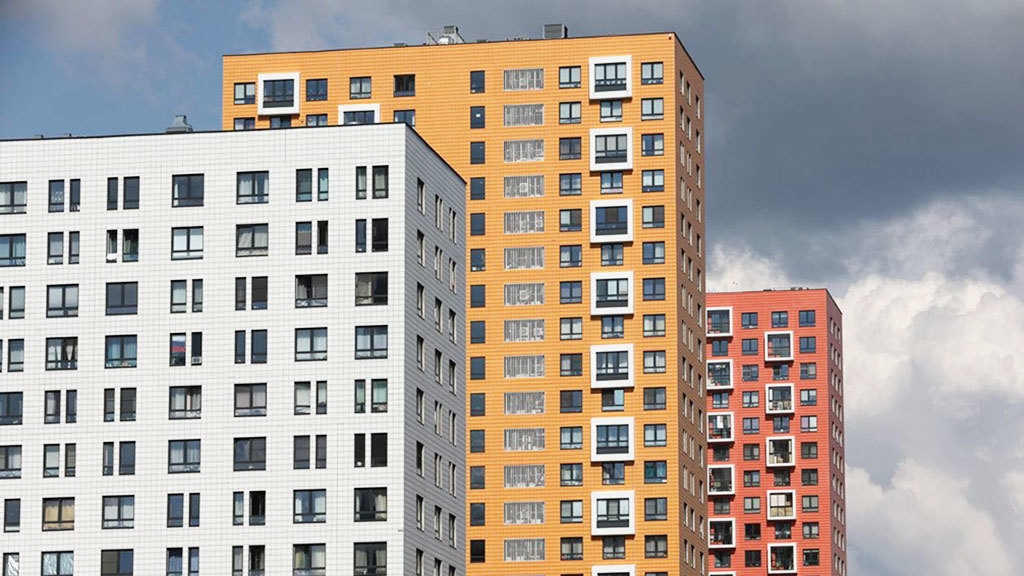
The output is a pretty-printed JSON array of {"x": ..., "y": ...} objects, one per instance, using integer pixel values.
[
  {"x": 776, "y": 482},
  {"x": 585, "y": 375}
]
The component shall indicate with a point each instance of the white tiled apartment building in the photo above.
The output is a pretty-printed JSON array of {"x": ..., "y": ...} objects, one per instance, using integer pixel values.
[{"x": 232, "y": 353}]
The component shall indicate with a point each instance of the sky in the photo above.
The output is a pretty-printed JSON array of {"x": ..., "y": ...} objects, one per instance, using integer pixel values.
[{"x": 875, "y": 148}]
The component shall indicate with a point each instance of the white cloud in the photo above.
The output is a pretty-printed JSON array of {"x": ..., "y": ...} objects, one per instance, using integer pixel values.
[
  {"x": 99, "y": 26},
  {"x": 933, "y": 314},
  {"x": 922, "y": 523}
]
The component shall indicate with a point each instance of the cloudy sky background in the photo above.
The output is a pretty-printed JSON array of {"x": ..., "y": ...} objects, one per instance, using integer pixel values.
[{"x": 874, "y": 147}]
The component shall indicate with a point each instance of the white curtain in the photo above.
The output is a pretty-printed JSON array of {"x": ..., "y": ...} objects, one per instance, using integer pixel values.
[
  {"x": 260, "y": 239},
  {"x": 12, "y": 567}
]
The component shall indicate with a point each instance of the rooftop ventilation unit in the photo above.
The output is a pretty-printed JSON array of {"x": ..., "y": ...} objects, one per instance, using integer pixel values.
[
  {"x": 180, "y": 125},
  {"x": 449, "y": 35},
  {"x": 554, "y": 31}
]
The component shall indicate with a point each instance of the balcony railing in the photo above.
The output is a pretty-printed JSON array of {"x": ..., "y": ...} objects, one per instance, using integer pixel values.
[
  {"x": 780, "y": 405},
  {"x": 611, "y": 228},
  {"x": 718, "y": 327},
  {"x": 612, "y": 520},
  {"x": 613, "y": 301},
  {"x": 720, "y": 433}
]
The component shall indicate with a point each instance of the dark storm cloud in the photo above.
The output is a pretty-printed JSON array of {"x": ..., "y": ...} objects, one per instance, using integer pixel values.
[{"x": 820, "y": 114}]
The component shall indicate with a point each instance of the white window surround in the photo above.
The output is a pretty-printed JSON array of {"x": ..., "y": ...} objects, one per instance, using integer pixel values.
[
  {"x": 732, "y": 479},
  {"x": 626, "y": 275},
  {"x": 603, "y": 570},
  {"x": 279, "y": 111},
  {"x": 611, "y": 94},
  {"x": 768, "y": 505},
  {"x": 621, "y": 457},
  {"x": 788, "y": 358},
  {"x": 767, "y": 399},
  {"x": 721, "y": 574},
  {"x": 627, "y": 382},
  {"x": 375, "y": 108},
  {"x": 768, "y": 452},
  {"x": 626, "y": 164},
  {"x": 731, "y": 424},
  {"x": 732, "y": 374},
  {"x": 615, "y": 531},
  {"x": 728, "y": 332},
  {"x": 732, "y": 522},
  {"x": 768, "y": 561},
  {"x": 610, "y": 238}
]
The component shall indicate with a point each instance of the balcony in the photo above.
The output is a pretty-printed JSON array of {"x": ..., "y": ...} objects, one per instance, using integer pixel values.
[
  {"x": 278, "y": 94},
  {"x": 611, "y": 366},
  {"x": 611, "y": 77},
  {"x": 720, "y": 427},
  {"x": 779, "y": 399},
  {"x": 611, "y": 439},
  {"x": 781, "y": 505},
  {"x": 720, "y": 375},
  {"x": 778, "y": 347},
  {"x": 782, "y": 558},
  {"x": 611, "y": 149},
  {"x": 722, "y": 533},
  {"x": 719, "y": 322},
  {"x": 721, "y": 480},
  {"x": 612, "y": 513},
  {"x": 611, "y": 221},
  {"x": 780, "y": 451},
  {"x": 611, "y": 293}
]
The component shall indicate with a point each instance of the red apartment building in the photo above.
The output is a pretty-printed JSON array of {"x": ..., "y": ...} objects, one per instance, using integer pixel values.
[{"x": 776, "y": 482}]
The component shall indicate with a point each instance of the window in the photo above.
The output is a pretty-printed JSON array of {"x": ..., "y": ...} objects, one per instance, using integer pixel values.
[
  {"x": 655, "y": 472},
  {"x": 245, "y": 93},
  {"x": 185, "y": 402},
  {"x": 253, "y": 187},
  {"x": 477, "y": 296},
  {"x": 11, "y": 408},
  {"x": 183, "y": 456},
  {"x": 359, "y": 87},
  {"x": 749, "y": 346},
  {"x": 122, "y": 298},
  {"x": 570, "y": 256},
  {"x": 10, "y": 462},
  {"x": 656, "y": 546},
  {"x": 748, "y": 319},
  {"x": 186, "y": 243},
  {"x": 370, "y": 558},
  {"x": 808, "y": 423},
  {"x": 310, "y": 506},
  {"x": 477, "y": 82},
  {"x": 12, "y": 250},
  {"x": 750, "y": 373},
  {"x": 809, "y": 450},
  {"x": 610, "y": 77},
  {"x": 371, "y": 342},
  {"x": 569, "y": 77},
  {"x": 571, "y": 438},
  {"x": 654, "y": 288},
  {"x": 58, "y": 514},
  {"x": 651, "y": 73},
  {"x": 311, "y": 344},
  {"x": 611, "y": 254},
  {"x": 62, "y": 301},
  {"x": 477, "y": 441},
  {"x": 250, "y": 400},
  {"x": 311, "y": 290},
  {"x": 810, "y": 503},
  {"x": 316, "y": 90},
  {"x": 371, "y": 504},
  {"x": 121, "y": 352},
  {"x": 751, "y": 426},
  {"x": 477, "y": 117},
  {"x": 570, "y": 184},
  {"x": 570, "y": 148},
  {"x": 751, "y": 504},
  {"x": 118, "y": 511},
  {"x": 751, "y": 399},
  {"x": 611, "y": 111},
  {"x": 62, "y": 353},
  {"x": 751, "y": 478},
  {"x": 652, "y": 109},
  {"x": 652, "y": 145},
  {"x": 477, "y": 260},
  {"x": 571, "y": 512},
  {"x": 808, "y": 370},
  {"x": 477, "y": 224},
  {"x": 477, "y": 188},
  {"x": 653, "y": 216},
  {"x": 477, "y": 153},
  {"x": 653, "y": 180},
  {"x": 569, "y": 113},
  {"x": 245, "y": 123},
  {"x": 186, "y": 190},
  {"x": 806, "y": 318},
  {"x": 808, "y": 344},
  {"x": 610, "y": 148},
  {"x": 571, "y": 329},
  {"x": 780, "y": 319},
  {"x": 311, "y": 560},
  {"x": 570, "y": 401},
  {"x": 654, "y": 252},
  {"x": 809, "y": 397},
  {"x": 570, "y": 292},
  {"x": 655, "y": 435},
  {"x": 14, "y": 197},
  {"x": 251, "y": 240},
  {"x": 405, "y": 85}
]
